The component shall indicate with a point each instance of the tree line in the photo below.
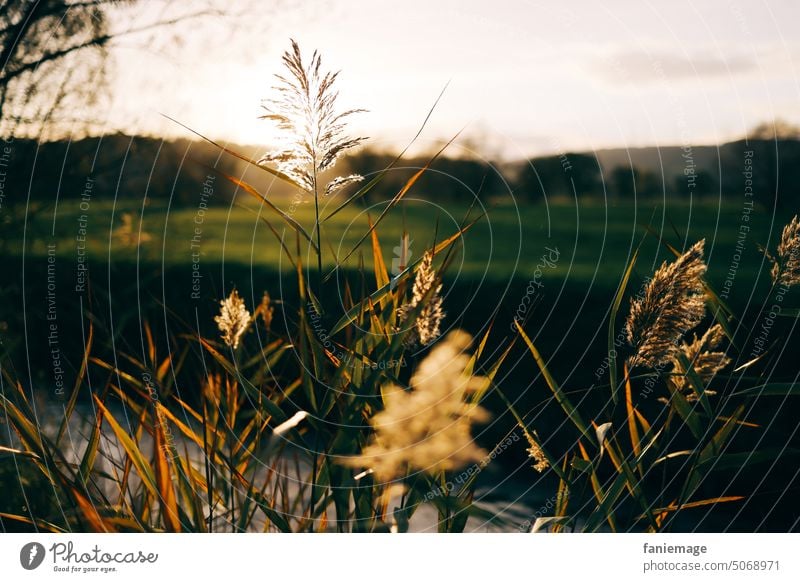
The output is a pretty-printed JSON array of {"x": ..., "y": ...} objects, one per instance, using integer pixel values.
[{"x": 135, "y": 167}]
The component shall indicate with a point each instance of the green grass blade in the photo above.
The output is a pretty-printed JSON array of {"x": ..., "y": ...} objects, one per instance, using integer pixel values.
[
  {"x": 696, "y": 383},
  {"x": 372, "y": 183},
  {"x": 685, "y": 410},
  {"x": 73, "y": 399},
  {"x": 392, "y": 203},
  {"x": 252, "y": 191},
  {"x": 561, "y": 398},
  {"x": 89, "y": 455},
  {"x": 141, "y": 464},
  {"x": 771, "y": 389},
  {"x": 375, "y": 298},
  {"x": 612, "y": 350}
]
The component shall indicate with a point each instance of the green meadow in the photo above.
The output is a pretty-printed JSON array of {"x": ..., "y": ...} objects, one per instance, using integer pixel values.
[{"x": 593, "y": 239}]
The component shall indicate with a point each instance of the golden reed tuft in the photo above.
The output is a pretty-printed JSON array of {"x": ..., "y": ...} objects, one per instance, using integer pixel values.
[
  {"x": 427, "y": 293},
  {"x": 427, "y": 428},
  {"x": 786, "y": 269},
  {"x": 536, "y": 453},
  {"x": 673, "y": 304},
  {"x": 311, "y": 129},
  {"x": 265, "y": 310},
  {"x": 701, "y": 357},
  {"x": 233, "y": 319}
]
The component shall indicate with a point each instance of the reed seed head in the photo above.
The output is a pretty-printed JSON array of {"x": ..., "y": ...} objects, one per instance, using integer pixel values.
[
  {"x": 312, "y": 130},
  {"x": 704, "y": 361},
  {"x": 426, "y": 292},
  {"x": 536, "y": 453},
  {"x": 672, "y": 304},
  {"x": 786, "y": 268},
  {"x": 233, "y": 319},
  {"x": 265, "y": 310},
  {"x": 129, "y": 234}
]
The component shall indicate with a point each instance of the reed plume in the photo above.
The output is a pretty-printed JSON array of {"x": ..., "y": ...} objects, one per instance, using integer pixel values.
[
  {"x": 701, "y": 357},
  {"x": 312, "y": 131},
  {"x": 233, "y": 319},
  {"x": 536, "y": 453},
  {"x": 786, "y": 268},
  {"x": 672, "y": 304},
  {"x": 425, "y": 292},
  {"x": 428, "y": 427}
]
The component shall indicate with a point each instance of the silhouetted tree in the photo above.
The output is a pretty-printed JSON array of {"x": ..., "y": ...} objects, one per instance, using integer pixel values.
[
  {"x": 630, "y": 182},
  {"x": 778, "y": 129},
  {"x": 39, "y": 42},
  {"x": 649, "y": 184},
  {"x": 447, "y": 179},
  {"x": 768, "y": 164},
  {"x": 562, "y": 175},
  {"x": 53, "y": 58},
  {"x": 623, "y": 181},
  {"x": 775, "y": 148}
]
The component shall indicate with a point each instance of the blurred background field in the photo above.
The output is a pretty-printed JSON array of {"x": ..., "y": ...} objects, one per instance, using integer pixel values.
[{"x": 594, "y": 238}]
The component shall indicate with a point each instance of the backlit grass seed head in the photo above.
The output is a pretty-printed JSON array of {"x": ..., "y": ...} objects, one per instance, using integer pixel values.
[
  {"x": 536, "y": 453},
  {"x": 233, "y": 319},
  {"x": 312, "y": 131},
  {"x": 425, "y": 292},
  {"x": 786, "y": 269},
  {"x": 700, "y": 353},
  {"x": 427, "y": 428},
  {"x": 672, "y": 304},
  {"x": 265, "y": 310},
  {"x": 428, "y": 324}
]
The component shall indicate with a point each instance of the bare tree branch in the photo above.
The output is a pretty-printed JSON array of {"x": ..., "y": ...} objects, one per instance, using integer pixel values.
[{"x": 98, "y": 41}]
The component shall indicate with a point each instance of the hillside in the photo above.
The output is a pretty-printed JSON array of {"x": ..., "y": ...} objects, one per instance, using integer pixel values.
[{"x": 137, "y": 167}]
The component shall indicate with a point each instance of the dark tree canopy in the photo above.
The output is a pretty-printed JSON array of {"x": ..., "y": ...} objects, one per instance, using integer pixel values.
[
  {"x": 52, "y": 61},
  {"x": 563, "y": 175}
]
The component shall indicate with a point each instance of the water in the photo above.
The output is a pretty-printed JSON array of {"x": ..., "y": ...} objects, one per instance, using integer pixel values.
[{"x": 501, "y": 502}]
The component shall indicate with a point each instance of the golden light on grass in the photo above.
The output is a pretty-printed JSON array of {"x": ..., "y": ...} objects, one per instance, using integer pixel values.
[
  {"x": 786, "y": 269},
  {"x": 208, "y": 463},
  {"x": 425, "y": 292},
  {"x": 701, "y": 358},
  {"x": 233, "y": 320},
  {"x": 427, "y": 428},
  {"x": 673, "y": 304},
  {"x": 536, "y": 453},
  {"x": 310, "y": 127}
]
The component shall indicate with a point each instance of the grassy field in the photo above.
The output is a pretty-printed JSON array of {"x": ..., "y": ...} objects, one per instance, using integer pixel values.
[{"x": 593, "y": 240}]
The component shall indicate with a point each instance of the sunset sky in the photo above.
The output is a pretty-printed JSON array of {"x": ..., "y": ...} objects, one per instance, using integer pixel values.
[{"x": 525, "y": 77}]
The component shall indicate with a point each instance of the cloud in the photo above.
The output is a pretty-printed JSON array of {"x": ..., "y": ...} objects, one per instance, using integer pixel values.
[{"x": 642, "y": 67}]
